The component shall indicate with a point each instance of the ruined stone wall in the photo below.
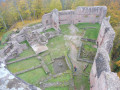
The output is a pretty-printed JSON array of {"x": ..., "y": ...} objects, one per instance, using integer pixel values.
[
  {"x": 106, "y": 35},
  {"x": 55, "y": 19},
  {"x": 94, "y": 14},
  {"x": 12, "y": 50},
  {"x": 66, "y": 16},
  {"x": 101, "y": 77},
  {"x": 47, "y": 20},
  {"x": 89, "y": 14}
]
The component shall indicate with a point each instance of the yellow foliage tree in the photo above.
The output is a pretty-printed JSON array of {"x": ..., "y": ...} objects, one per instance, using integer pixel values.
[
  {"x": 55, "y": 4},
  {"x": 118, "y": 74},
  {"x": 113, "y": 10},
  {"x": 77, "y": 3},
  {"x": 118, "y": 63},
  {"x": 23, "y": 8}
]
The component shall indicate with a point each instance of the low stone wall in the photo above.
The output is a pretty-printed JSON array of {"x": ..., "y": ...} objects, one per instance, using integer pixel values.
[
  {"x": 80, "y": 49},
  {"x": 88, "y": 40},
  {"x": 21, "y": 59},
  {"x": 68, "y": 63},
  {"x": 28, "y": 69}
]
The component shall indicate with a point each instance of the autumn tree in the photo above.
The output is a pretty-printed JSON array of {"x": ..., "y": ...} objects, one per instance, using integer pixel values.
[
  {"x": 77, "y": 3},
  {"x": 55, "y": 4},
  {"x": 116, "y": 46},
  {"x": 23, "y": 8},
  {"x": 66, "y": 4},
  {"x": 37, "y": 8},
  {"x": 114, "y": 12},
  {"x": 16, "y": 6}
]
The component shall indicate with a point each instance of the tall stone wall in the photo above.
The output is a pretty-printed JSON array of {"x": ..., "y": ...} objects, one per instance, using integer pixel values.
[
  {"x": 47, "y": 20},
  {"x": 89, "y": 14},
  {"x": 101, "y": 77},
  {"x": 106, "y": 35},
  {"x": 94, "y": 14},
  {"x": 66, "y": 16},
  {"x": 55, "y": 19}
]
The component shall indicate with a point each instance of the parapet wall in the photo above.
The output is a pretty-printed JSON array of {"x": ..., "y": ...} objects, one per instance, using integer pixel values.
[
  {"x": 93, "y": 14},
  {"x": 101, "y": 77}
]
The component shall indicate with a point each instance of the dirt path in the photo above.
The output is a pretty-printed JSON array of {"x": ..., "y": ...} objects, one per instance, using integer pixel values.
[{"x": 73, "y": 43}]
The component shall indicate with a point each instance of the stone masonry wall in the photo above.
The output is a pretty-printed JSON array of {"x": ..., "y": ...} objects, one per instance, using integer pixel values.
[
  {"x": 101, "y": 77},
  {"x": 94, "y": 14}
]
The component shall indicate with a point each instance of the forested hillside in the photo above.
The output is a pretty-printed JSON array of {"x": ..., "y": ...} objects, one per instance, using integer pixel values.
[{"x": 13, "y": 11}]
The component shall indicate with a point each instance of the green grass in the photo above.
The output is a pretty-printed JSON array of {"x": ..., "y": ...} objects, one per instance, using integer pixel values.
[
  {"x": 50, "y": 30},
  {"x": 89, "y": 50},
  {"x": 57, "y": 47},
  {"x": 58, "y": 88},
  {"x": 5, "y": 36},
  {"x": 22, "y": 65},
  {"x": 33, "y": 76},
  {"x": 64, "y": 77},
  {"x": 24, "y": 54},
  {"x": 2, "y": 46},
  {"x": 64, "y": 28},
  {"x": 89, "y": 47},
  {"x": 25, "y": 43},
  {"x": 82, "y": 81},
  {"x": 90, "y": 33},
  {"x": 47, "y": 60}
]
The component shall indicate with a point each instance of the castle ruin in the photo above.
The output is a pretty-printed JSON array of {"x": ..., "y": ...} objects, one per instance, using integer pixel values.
[{"x": 101, "y": 77}]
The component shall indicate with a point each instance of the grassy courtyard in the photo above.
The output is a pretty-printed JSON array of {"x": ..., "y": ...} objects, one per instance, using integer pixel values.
[
  {"x": 56, "y": 48},
  {"x": 91, "y": 30}
]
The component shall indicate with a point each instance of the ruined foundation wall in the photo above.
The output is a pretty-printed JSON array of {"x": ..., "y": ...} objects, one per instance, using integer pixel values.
[
  {"x": 101, "y": 77},
  {"x": 47, "y": 20}
]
